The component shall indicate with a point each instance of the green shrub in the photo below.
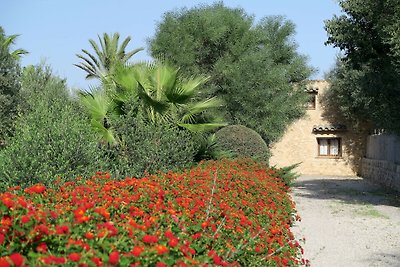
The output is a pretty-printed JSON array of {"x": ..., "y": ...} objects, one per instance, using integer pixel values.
[
  {"x": 10, "y": 85},
  {"x": 242, "y": 142},
  {"x": 52, "y": 139},
  {"x": 150, "y": 148},
  {"x": 287, "y": 173}
]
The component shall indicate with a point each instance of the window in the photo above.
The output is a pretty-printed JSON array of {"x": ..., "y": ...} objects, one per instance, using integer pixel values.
[
  {"x": 311, "y": 104},
  {"x": 329, "y": 147}
]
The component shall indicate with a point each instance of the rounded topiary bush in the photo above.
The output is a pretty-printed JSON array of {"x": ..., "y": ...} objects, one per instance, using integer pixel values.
[{"x": 242, "y": 142}]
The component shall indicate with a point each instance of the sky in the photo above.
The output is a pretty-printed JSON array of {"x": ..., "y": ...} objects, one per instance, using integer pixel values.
[{"x": 54, "y": 31}]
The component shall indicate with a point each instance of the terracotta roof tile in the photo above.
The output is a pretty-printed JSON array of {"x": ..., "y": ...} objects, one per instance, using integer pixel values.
[
  {"x": 312, "y": 90},
  {"x": 329, "y": 128}
]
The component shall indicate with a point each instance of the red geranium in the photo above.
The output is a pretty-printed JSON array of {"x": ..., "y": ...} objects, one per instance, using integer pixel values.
[
  {"x": 114, "y": 257},
  {"x": 17, "y": 259}
]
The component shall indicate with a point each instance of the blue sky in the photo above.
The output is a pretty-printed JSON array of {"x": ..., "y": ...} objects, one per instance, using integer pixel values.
[{"x": 56, "y": 30}]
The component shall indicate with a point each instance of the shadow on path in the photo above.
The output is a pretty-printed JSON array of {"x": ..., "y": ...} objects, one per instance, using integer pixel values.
[{"x": 348, "y": 189}]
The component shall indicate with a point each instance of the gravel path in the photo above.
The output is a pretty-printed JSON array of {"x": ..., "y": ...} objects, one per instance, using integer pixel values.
[{"x": 347, "y": 221}]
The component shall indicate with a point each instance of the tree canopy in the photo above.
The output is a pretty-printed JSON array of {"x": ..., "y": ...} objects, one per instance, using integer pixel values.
[
  {"x": 253, "y": 66},
  {"x": 9, "y": 83},
  {"x": 366, "y": 80}
]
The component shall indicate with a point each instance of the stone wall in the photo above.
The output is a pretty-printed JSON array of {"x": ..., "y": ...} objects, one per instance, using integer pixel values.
[
  {"x": 382, "y": 172},
  {"x": 384, "y": 147},
  {"x": 382, "y": 161}
]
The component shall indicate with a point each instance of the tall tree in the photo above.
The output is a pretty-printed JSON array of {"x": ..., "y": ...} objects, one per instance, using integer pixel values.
[
  {"x": 366, "y": 79},
  {"x": 9, "y": 83},
  {"x": 253, "y": 67},
  {"x": 106, "y": 56}
]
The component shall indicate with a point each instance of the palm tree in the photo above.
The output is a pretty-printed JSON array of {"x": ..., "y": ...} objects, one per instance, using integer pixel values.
[
  {"x": 166, "y": 97},
  {"x": 7, "y": 41},
  {"x": 162, "y": 97},
  {"x": 107, "y": 55}
]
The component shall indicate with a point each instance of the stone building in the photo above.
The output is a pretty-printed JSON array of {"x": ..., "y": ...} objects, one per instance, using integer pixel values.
[{"x": 321, "y": 141}]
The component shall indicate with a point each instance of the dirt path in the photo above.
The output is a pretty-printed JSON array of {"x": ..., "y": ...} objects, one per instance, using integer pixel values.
[{"x": 347, "y": 221}]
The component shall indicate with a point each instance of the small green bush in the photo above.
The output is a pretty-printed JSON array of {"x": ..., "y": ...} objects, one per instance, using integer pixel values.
[
  {"x": 51, "y": 138},
  {"x": 145, "y": 147},
  {"x": 287, "y": 173},
  {"x": 242, "y": 142}
]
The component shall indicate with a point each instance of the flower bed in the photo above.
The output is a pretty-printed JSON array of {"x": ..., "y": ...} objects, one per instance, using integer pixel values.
[{"x": 226, "y": 213}]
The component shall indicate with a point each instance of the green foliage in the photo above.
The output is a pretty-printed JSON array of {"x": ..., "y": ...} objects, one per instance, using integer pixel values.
[
  {"x": 241, "y": 141},
  {"x": 9, "y": 84},
  {"x": 253, "y": 67},
  {"x": 51, "y": 137},
  {"x": 150, "y": 148},
  {"x": 287, "y": 173},
  {"x": 161, "y": 96},
  {"x": 366, "y": 80},
  {"x": 165, "y": 96}
]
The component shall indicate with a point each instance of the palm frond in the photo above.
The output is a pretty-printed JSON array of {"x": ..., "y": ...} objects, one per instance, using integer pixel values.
[
  {"x": 93, "y": 58},
  {"x": 128, "y": 55},
  {"x": 164, "y": 79},
  {"x": 183, "y": 93},
  {"x": 106, "y": 134},
  {"x": 148, "y": 101},
  {"x": 202, "y": 127},
  {"x": 122, "y": 47},
  {"x": 199, "y": 107},
  {"x": 16, "y": 54},
  {"x": 9, "y": 40},
  {"x": 124, "y": 76},
  {"x": 84, "y": 68},
  {"x": 97, "y": 104},
  {"x": 97, "y": 49}
]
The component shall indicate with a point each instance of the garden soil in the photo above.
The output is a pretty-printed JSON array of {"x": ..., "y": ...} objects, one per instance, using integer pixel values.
[{"x": 347, "y": 221}]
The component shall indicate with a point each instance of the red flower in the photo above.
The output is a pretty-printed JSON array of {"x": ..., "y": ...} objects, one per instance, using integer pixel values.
[
  {"x": 161, "y": 264},
  {"x": 42, "y": 229},
  {"x": 136, "y": 251},
  {"x": 25, "y": 219},
  {"x": 114, "y": 257},
  {"x": 168, "y": 234},
  {"x": 97, "y": 261},
  {"x": 17, "y": 259},
  {"x": 36, "y": 189},
  {"x": 74, "y": 256},
  {"x": 173, "y": 242},
  {"x": 54, "y": 260},
  {"x": 196, "y": 235},
  {"x": 89, "y": 235},
  {"x": 4, "y": 262},
  {"x": 150, "y": 239},
  {"x": 1, "y": 239},
  {"x": 62, "y": 229},
  {"x": 274, "y": 231},
  {"x": 8, "y": 202},
  {"x": 161, "y": 249},
  {"x": 42, "y": 247}
]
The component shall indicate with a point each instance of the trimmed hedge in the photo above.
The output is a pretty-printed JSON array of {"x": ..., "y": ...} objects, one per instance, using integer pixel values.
[{"x": 242, "y": 142}]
